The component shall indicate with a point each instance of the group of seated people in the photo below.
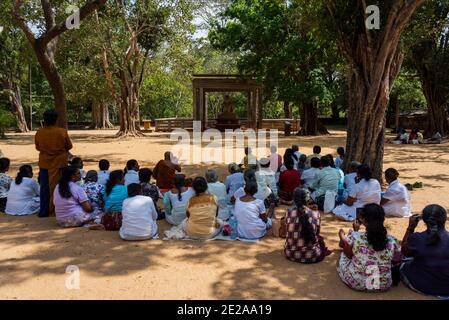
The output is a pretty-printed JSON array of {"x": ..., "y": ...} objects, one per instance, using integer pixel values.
[
  {"x": 128, "y": 201},
  {"x": 415, "y": 137}
]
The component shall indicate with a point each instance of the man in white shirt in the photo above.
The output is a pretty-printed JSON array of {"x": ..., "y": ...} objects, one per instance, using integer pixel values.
[
  {"x": 350, "y": 179},
  {"x": 308, "y": 175},
  {"x": 103, "y": 173},
  {"x": 396, "y": 200}
]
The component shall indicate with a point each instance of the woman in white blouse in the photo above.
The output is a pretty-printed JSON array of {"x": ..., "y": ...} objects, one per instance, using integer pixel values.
[
  {"x": 366, "y": 191},
  {"x": 396, "y": 200},
  {"x": 23, "y": 196},
  {"x": 218, "y": 189}
]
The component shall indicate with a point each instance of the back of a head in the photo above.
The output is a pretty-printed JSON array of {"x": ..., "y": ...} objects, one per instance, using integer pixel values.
[
  {"x": 4, "y": 164},
  {"x": 249, "y": 175},
  {"x": 64, "y": 182},
  {"x": 331, "y": 160},
  {"x": 145, "y": 175},
  {"x": 273, "y": 149},
  {"x": 179, "y": 181},
  {"x": 251, "y": 188},
  {"x": 211, "y": 176},
  {"x": 50, "y": 117},
  {"x": 295, "y": 148},
  {"x": 25, "y": 171},
  {"x": 303, "y": 158},
  {"x": 264, "y": 163},
  {"x": 91, "y": 176},
  {"x": 134, "y": 189},
  {"x": 341, "y": 151},
  {"x": 131, "y": 164},
  {"x": 104, "y": 165},
  {"x": 391, "y": 174},
  {"x": 374, "y": 216},
  {"x": 76, "y": 161},
  {"x": 315, "y": 162},
  {"x": 435, "y": 217},
  {"x": 325, "y": 162},
  {"x": 316, "y": 149},
  {"x": 233, "y": 168},
  {"x": 114, "y": 178},
  {"x": 300, "y": 197},
  {"x": 167, "y": 155},
  {"x": 289, "y": 164},
  {"x": 364, "y": 172},
  {"x": 354, "y": 166},
  {"x": 199, "y": 185}
]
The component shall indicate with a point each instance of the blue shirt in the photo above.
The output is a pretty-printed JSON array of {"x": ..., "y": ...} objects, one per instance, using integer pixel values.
[{"x": 114, "y": 201}]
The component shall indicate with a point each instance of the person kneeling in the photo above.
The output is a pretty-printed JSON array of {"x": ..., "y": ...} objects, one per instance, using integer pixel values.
[
  {"x": 139, "y": 216},
  {"x": 252, "y": 219}
]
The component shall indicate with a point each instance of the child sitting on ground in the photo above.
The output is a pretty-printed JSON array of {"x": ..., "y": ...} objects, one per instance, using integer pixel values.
[
  {"x": 103, "y": 173},
  {"x": 5, "y": 182},
  {"x": 131, "y": 172},
  {"x": 95, "y": 192},
  {"x": 150, "y": 189},
  {"x": 77, "y": 162},
  {"x": 139, "y": 216}
]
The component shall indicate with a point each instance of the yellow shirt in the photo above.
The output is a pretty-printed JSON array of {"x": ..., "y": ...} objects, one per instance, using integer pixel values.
[
  {"x": 202, "y": 222},
  {"x": 53, "y": 144}
]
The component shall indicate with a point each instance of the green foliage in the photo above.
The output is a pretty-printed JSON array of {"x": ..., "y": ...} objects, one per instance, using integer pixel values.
[{"x": 7, "y": 120}]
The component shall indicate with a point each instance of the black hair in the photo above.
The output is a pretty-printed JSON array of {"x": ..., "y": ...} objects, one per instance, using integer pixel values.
[
  {"x": 130, "y": 165},
  {"x": 4, "y": 163},
  {"x": 251, "y": 188},
  {"x": 374, "y": 216},
  {"x": 434, "y": 216},
  {"x": 199, "y": 185},
  {"x": 315, "y": 162},
  {"x": 295, "y": 148},
  {"x": 114, "y": 178},
  {"x": 316, "y": 149},
  {"x": 104, "y": 164},
  {"x": 76, "y": 161},
  {"x": 341, "y": 151},
  {"x": 331, "y": 160},
  {"x": 25, "y": 171},
  {"x": 65, "y": 179},
  {"x": 364, "y": 172},
  {"x": 134, "y": 189},
  {"x": 300, "y": 197},
  {"x": 325, "y": 162},
  {"x": 50, "y": 117},
  {"x": 392, "y": 174},
  {"x": 249, "y": 175},
  {"x": 289, "y": 164},
  {"x": 303, "y": 158},
  {"x": 145, "y": 175},
  {"x": 179, "y": 181},
  {"x": 91, "y": 176}
]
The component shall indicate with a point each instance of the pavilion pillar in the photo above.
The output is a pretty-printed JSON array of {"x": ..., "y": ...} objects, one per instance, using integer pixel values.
[{"x": 260, "y": 108}]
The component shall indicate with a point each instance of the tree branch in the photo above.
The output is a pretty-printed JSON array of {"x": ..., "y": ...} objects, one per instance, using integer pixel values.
[
  {"x": 20, "y": 22},
  {"x": 48, "y": 14}
]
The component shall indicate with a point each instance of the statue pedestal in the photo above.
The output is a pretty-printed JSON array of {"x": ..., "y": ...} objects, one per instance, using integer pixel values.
[{"x": 227, "y": 120}]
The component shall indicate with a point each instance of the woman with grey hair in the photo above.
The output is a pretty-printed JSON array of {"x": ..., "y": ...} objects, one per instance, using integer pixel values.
[{"x": 218, "y": 189}]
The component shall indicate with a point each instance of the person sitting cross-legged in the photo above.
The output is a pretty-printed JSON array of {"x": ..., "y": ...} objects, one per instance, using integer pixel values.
[
  {"x": 367, "y": 190},
  {"x": 396, "y": 201},
  {"x": 23, "y": 195},
  {"x": 327, "y": 179},
  {"x": 303, "y": 243}
]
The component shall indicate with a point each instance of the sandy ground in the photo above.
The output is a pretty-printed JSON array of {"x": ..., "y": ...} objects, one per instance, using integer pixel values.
[{"x": 34, "y": 253}]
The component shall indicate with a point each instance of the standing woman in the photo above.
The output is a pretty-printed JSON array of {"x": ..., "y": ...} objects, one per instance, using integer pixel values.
[
  {"x": 53, "y": 144},
  {"x": 23, "y": 196},
  {"x": 428, "y": 272},
  {"x": 303, "y": 243}
]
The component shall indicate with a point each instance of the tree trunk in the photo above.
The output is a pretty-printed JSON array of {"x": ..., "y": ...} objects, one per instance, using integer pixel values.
[
  {"x": 287, "y": 110},
  {"x": 335, "y": 111},
  {"x": 436, "y": 108},
  {"x": 15, "y": 99},
  {"x": 100, "y": 116},
  {"x": 45, "y": 57},
  {"x": 129, "y": 108},
  {"x": 310, "y": 124}
]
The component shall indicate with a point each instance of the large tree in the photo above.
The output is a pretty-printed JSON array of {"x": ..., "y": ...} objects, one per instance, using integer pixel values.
[
  {"x": 277, "y": 43},
  {"x": 429, "y": 41},
  {"x": 375, "y": 62},
  {"x": 45, "y": 41},
  {"x": 131, "y": 33}
]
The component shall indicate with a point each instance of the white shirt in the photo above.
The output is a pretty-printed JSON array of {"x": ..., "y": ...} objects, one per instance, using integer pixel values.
[
  {"x": 308, "y": 176},
  {"x": 103, "y": 176},
  {"x": 269, "y": 176},
  {"x": 131, "y": 177},
  {"x": 399, "y": 204},
  {"x": 139, "y": 218},
  {"x": 218, "y": 189},
  {"x": 23, "y": 199},
  {"x": 366, "y": 192},
  {"x": 350, "y": 181},
  {"x": 249, "y": 223}
]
